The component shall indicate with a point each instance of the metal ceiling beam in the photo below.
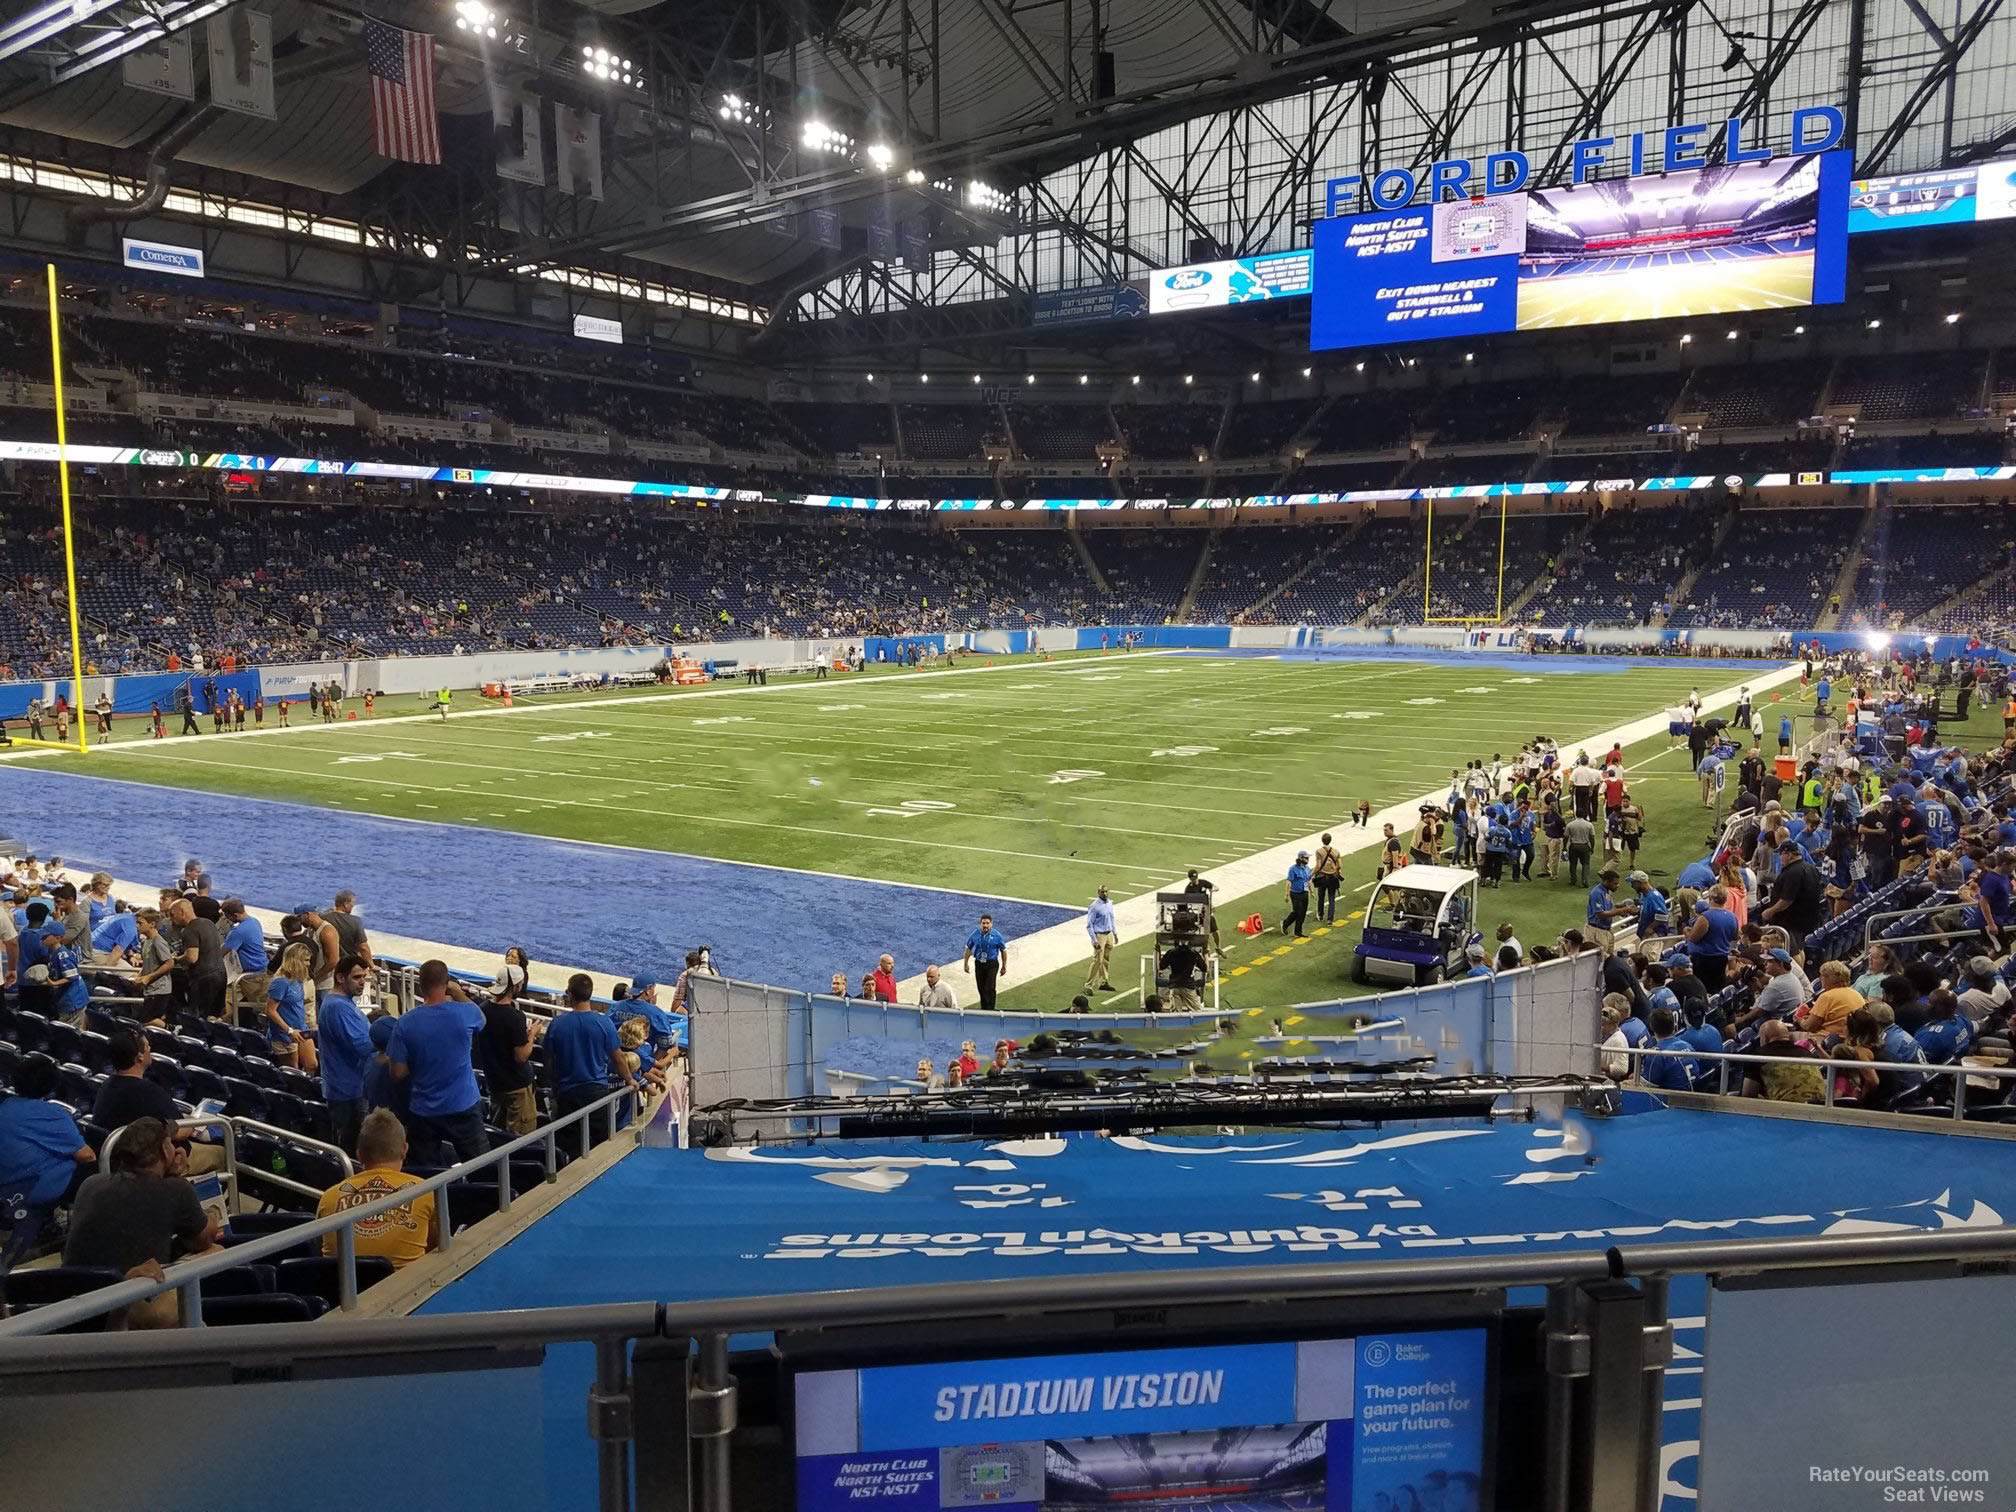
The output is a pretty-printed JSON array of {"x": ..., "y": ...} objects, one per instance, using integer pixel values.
[
  {"x": 55, "y": 28},
  {"x": 1932, "y": 81},
  {"x": 1039, "y": 147}
]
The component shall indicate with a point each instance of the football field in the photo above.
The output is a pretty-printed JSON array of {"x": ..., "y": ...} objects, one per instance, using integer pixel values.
[{"x": 1019, "y": 782}]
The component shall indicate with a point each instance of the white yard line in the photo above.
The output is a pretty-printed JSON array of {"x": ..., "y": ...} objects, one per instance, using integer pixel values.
[{"x": 1063, "y": 943}]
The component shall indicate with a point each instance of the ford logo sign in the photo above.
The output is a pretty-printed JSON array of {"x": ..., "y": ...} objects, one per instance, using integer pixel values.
[{"x": 1187, "y": 278}]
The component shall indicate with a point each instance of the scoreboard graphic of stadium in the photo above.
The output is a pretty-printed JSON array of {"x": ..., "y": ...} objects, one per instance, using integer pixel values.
[{"x": 1705, "y": 241}]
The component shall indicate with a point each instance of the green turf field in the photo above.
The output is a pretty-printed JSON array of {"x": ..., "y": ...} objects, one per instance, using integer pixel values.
[{"x": 1037, "y": 780}]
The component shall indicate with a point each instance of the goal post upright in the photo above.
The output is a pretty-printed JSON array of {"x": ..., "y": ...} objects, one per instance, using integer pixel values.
[{"x": 77, "y": 709}]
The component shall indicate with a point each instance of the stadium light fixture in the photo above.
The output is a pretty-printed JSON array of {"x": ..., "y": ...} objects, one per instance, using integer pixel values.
[
  {"x": 1307, "y": 371},
  {"x": 923, "y": 377},
  {"x": 1361, "y": 367},
  {"x": 869, "y": 376},
  {"x": 1189, "y": 378},
  {"x": 1083, "y": 380},
  {"x": 475, "y": 16},
  {"x": 976, "y": 377},
  {"x": 1799, "y": 330},
  {"x": 1686, "y": 338},
  {"x": 817, "y": 136},
  {"x": 1469, "y": 356},
  {"x": 913, "y": 176},
  {"x": 1952, "y": 317},
  {"x": 1028, "y": 377},
  {"x": 881, "y": 156},
  {"x": 1875, "y": 323},
  {"x": 1733, "y": 333},
  {"x": 734, "y": 108}
]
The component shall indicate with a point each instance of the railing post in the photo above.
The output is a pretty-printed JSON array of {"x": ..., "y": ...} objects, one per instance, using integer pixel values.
[
  {"x": 444, "y": 1226},
  {"x": 1565, "y": 1356},
  {"x": 581, "y": 1127},
  {"x": 713, "y": 1419},
  {"x": 551, "y": 1146},
  {"x": 610, "y": 1425},
  {"x": 346, "y": 1267},
  {"x": 189, "y": 1304}
]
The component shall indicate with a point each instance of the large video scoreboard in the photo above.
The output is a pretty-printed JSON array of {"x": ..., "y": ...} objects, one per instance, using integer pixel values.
[{"x": 1705, "y": 241}]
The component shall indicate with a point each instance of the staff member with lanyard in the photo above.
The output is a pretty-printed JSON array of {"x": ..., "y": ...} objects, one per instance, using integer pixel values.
[
  {"x": 986, "y": 959},
  {"x": 1100, "y": 925},
  {"x": 1327, "y": 877}
]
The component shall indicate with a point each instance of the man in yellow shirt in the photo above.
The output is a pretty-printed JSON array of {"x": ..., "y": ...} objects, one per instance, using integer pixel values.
[{"x": 402, "y": 1235}]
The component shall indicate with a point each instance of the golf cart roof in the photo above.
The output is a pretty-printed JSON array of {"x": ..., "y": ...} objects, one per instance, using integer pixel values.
[{"x": 1442, "y": 879}]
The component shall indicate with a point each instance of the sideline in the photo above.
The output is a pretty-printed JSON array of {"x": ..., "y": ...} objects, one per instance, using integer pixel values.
[
  {"x": 491, "y": 711},
  {"x": 1065, "y": 944}
]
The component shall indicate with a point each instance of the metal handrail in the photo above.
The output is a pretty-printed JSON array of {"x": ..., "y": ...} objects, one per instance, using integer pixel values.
[
  {"x": 186, "y": 1278},
  {"x": 1726, "y": 1058},
  {"x": 1869, "y": 921},
  {"x": 349, "y": 1165},
  {"x": 943, "y": 1300}
]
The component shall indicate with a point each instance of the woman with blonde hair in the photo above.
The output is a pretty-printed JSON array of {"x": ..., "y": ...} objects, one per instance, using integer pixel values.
[
  {"x": 287, "y": 1010},
  {"x": 1738, "y": 902}
]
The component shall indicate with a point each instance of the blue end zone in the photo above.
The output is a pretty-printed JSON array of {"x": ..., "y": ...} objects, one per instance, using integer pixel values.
[
  {"x": 620, "y": 911},
  {"x": 791, "y": 1219}
]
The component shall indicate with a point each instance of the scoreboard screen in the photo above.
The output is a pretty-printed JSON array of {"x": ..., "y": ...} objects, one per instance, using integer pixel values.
[
  {"x": 1338, "y": 1424},
  {"x": 1707, "y": 241}
]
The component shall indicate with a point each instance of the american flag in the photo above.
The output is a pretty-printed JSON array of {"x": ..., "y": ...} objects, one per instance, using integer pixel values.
[{"x": 403, "y": 122}]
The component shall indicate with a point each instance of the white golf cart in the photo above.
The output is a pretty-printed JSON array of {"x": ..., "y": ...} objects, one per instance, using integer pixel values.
[{"x": 1418, "y": 925}]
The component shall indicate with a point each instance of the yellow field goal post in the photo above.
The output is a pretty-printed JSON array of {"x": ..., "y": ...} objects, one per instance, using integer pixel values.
[
  {"x": 1428, "y": 614},
  {"x": 79, "y": 738}
]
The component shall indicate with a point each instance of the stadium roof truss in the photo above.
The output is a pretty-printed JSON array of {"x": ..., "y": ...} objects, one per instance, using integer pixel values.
[
  {"x": 1235, "y": 162},
  {"x": 1111, "y": 137}
]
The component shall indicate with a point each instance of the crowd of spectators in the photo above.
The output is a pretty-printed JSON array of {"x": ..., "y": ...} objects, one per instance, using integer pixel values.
[{"x": 121, "y": 1019}]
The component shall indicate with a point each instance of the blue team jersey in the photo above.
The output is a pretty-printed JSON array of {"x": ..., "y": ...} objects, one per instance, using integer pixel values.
[
  {"x": 1946, "y": 1040},
  {"x": 1704, "y": 1040},
  {"x": 1636, "y": 1035},
  {"x": 986, "y": 944},
  {"x": 1674, "y": 1072}
]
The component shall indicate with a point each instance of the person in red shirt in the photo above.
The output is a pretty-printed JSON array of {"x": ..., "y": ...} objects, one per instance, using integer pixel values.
[
  {"x": 969, "y": 1060},
  {"x": 884, "y": 979}
]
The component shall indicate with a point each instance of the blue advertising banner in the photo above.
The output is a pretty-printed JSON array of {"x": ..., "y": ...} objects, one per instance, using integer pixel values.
[
  {"x": 1065, "y": 1396},
  {"x": 1078, "y": 306}
]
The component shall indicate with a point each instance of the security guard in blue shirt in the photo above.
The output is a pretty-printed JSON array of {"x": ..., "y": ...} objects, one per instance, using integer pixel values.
[
  {"x": 986, "y": 959},
  {"x": 1298, "y": 894}
]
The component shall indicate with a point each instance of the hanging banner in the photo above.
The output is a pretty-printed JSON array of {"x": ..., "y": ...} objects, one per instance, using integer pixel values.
[
  {"x": 515, "y": 120},
  {"x": 578, "y": 151},
  {"x": 241, "y": 62},
  {"x": 164, "y": 67},
  {"x": 825, "y": 227}
]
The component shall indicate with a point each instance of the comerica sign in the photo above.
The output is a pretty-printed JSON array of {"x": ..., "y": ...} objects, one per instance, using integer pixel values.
[{"x": 1814, "y": 129}]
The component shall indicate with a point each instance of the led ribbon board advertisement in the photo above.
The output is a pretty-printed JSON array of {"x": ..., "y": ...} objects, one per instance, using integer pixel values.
[
  {"x": 1740, "y": 236},
  {"x": 1333, "y": 1425}
]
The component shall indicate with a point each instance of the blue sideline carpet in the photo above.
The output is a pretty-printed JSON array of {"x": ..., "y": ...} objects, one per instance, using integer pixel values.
[
  {"x": 669, "y": 1224},
  {"x": 620, "y": 911}
]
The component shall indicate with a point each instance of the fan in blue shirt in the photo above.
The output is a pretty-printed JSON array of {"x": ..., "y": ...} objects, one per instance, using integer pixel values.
[
  {"x": 432, "y": 1045},
  {"x": 1900, "y": 1047},
  {"x": 1636, "y": 1035},
  {"x": 580, "y": 1045},
  {"x": 1947, "y": 1035},
  {"x": 247, "y": 941},
  {"x": 1675, "y": 1068},
  {"x": 343, "y": 1036},
  {"x": 65, "y": 980},
  {"x": 117, "y": 935}
]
